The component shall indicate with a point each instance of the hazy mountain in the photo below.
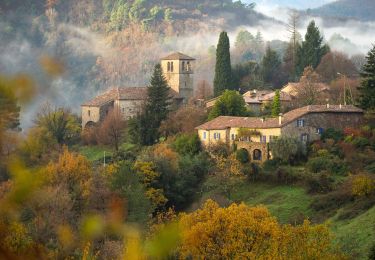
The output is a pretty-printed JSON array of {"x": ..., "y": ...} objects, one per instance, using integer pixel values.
[{"x": 362, "y": 10}]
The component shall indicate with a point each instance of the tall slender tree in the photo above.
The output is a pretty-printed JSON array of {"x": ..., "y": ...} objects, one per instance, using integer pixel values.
[
  {"x": 276, "y": 106},
  {"x": 312, "y": 49},
  {"x": 290, "y": 56},
  {"x": 223, "y": 70},
  {"x": 367, "y": 88},
  {"x": 145, "y": 128}
]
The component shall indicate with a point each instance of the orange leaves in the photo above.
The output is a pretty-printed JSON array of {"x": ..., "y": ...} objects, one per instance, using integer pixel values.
[
  {"x": 72, "y": 169},
  {"x": 242, "y": 232}
]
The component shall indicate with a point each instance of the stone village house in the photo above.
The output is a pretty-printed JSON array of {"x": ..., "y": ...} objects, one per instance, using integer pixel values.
[
  {"x": 178, "y": 71},
  {"x": 305, "y": 123}
]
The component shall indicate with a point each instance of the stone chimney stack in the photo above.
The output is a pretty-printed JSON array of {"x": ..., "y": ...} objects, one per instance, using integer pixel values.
[{"x": 281, "y": 117}]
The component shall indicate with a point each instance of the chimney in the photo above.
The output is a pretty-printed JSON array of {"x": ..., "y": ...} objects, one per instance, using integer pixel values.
[
  {"x": 262, "y": 119},
  {"x": 340, "y": 106},
  {"x": 280, "y": 118},
  {"x": 327, "y": 105}
]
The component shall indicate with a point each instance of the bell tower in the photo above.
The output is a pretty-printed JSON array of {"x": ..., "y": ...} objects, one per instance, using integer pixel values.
[{"x": 178, "y": 70}]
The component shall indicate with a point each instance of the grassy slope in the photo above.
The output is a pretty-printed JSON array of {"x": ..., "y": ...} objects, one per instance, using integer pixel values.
[
  {"x": 356, "y": 235},
  {"x": 94, "y": 153}
]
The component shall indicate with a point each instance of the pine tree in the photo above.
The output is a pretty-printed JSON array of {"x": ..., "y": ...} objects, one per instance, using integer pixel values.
[
  {"x": 367, "y": 88},
  {"x": 223, "y": 70},
  {"x": 312, "y": 49},
  {"x": 276, "y": 107},
  {"x": 156, "y": 110},
  {"x": 271, "y": 66}
]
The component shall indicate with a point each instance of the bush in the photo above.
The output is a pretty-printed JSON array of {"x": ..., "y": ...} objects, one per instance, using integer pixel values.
[
  {"x": 332, "y": 133},
  {"x": 360, "y": 142},
  {"x": 288, "y": 150},
  {"x": 329, "y": 163},
  {"x": 187, "y": 144},
  {"x": 220, "y": 149},
  {"x": 242, "y": 155},
  {"x": 363, "y": 185},
  {"x": 320, "y": 184}
]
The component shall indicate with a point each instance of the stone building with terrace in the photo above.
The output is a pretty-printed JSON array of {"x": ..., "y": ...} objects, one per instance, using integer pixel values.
[
  {"x": 178, "y": 71},
  {"x": 254, "y": 134}
]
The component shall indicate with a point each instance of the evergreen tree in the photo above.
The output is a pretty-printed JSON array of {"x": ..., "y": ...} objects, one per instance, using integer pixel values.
[
  {"x": 276, "y": 107},
  {"x": 223, "y": 70},
  {"x": 367, "y": 88},
  {"x": 145, "y": 128},
  {"x": 271, "y": 66},
  {"x": 312, "y": 49}
]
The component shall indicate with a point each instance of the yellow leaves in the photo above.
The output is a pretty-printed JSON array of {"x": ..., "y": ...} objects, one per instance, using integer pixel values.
[
  {"x": 65, "y": 236},
  {"x": 92, "y": 227},
  {"x": 74, "y": 169},
  {"x": 162, "y": 150},
  {"x": 148, "y": 175},
  {"x": 17, "y": 239},
  {"x": 242, "y": 232},
  {"x": 146, "y": 170},
  {"x": 363, "y": 185}
]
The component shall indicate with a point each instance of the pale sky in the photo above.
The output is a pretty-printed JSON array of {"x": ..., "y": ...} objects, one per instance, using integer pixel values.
[{"x": 297, "y": 4}]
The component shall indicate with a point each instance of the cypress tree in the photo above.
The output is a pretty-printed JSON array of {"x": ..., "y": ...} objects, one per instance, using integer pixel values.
[
  {"x": 146, "y": 126},
  {"x": 312, "y": 49},
  {"x": 276, "y": 107},
  {"x": 223, "y": 70},
  {"x": 367, "y": 88}
]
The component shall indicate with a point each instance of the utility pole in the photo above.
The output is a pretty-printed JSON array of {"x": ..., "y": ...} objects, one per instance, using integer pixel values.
[{"x": 104, "y": 160}]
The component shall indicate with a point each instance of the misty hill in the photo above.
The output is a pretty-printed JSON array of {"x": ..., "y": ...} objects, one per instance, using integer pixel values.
[{"x": 362, "y": 10}]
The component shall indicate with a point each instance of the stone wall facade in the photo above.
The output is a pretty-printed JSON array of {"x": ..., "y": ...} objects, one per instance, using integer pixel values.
[
  {"x": 254, "y": 148},
  {"x": 92, "y": 115},
  {"x": 314, "y": 123}
]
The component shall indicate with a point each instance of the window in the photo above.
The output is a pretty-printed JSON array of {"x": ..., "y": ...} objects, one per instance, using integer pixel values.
[
  {"x": 123, "y": 110},
  {"x": 89, "y": 113},
  {"x": 233, "y": 137},
  {"x": 172, "y": 66},
  {"x": 204, "y": 135},
  {"x": 319, "y": 131},
  {"x": 218, "y": 136},
  {"x": 188, "y": 66},
  {"x": 272, "y": 138},
  {"x": 257, "y": 155},
  {"x": 300, "y": 122},
  {"x": 169, "y": 66},
  {"x": 263, "y": 139},
  {"x": 183, "y": 66},
  {"x": 304, "y": 138}
]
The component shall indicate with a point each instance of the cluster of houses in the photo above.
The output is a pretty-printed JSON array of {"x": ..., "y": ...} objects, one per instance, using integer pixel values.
[{"x": 251, "y": 133}]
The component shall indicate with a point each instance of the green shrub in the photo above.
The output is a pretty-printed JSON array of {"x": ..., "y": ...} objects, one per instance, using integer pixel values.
[
  {"x": 332, "y": 164},
  {"x": 187, "y": 144},
  {"x": 320, "y": 184},
  {"x": 242, "y": 155},
  {"x": 370, "y": 168},
  {"x": 332, "y": 133},
  {"x": 360, "y": 142},
  {"x": 288, "y": 150}
]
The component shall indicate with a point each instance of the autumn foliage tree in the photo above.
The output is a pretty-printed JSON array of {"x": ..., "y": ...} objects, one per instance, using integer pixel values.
[
  {"x": 242, "y": 232},
  {"x": 307, "y": 92},
  {"x": 112, "y": 129}
]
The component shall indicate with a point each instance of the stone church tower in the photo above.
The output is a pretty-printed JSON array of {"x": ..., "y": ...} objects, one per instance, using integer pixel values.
[{"x": 178, "y": 70}]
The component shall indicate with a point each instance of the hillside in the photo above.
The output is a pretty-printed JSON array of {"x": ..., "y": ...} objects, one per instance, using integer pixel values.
[{"x": 362, "y": 10}]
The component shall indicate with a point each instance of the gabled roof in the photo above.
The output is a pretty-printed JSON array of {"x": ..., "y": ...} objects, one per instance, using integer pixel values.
[
  {"x": 224, "y": 122},
  {"x": 292, "y": 88},
  {"x": 177, "y": 56},
  {"x": 123, "y": 93},
  {"x": 269, "y": 97}
]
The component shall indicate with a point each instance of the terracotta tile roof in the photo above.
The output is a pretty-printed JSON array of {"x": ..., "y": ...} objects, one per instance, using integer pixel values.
[
  {"x": 251, "y": 100},
  {"x": 177, "y": 56},
  {"x": 123, "y": 93},
  {"x": 257, "y": 93},
  {"x": 224, "y": 122},
  {"x": 292, "y": 87},
  {"x": 283, "y": 96}
]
